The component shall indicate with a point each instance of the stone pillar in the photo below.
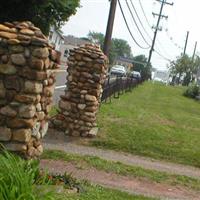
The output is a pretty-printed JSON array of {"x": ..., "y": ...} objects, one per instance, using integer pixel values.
[
  {"x": 26, "y": 87},
  {"x": 87, "y": 68}
]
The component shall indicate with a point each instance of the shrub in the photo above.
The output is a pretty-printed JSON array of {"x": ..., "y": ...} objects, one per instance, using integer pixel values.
[
  {"x": 192, "y": 90},
  {"x": 18, "y": 178}
]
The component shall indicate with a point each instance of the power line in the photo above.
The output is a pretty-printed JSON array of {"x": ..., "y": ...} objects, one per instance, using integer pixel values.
[
  {"x": 136, "y": 24},
  {"x": 140, "y": 20},
  {"x": 163, "y": 2},
  {"x": 144, "y": 14},
  {"x": 129, "y": 28},
  {"x": 142, "y": 8},
  {"x": 162, "y": 56}
]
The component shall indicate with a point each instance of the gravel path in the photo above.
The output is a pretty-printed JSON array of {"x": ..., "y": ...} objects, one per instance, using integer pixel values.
[
  {"x": 125, "y": 158},
  {"x": 123, "y": 183}
]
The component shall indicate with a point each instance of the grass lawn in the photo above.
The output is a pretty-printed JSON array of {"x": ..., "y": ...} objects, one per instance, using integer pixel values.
[
  {"x": 122, "y": 169},
  {"x": 155, "y": 121},
  {"x": 93, "y": 192}
]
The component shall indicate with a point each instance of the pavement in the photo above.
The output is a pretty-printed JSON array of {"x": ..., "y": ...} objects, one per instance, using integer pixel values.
[{"x": 60, "y": 86}]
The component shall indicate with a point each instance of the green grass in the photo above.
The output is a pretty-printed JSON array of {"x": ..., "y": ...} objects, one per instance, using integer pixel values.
[
  {"x": 53, "y": 111},
  {"x": 155, "y": 121},
  {"x": 122, "y": 169},
  {"x": 18, "y": 179},
  {"x": 94, "y": 192}
]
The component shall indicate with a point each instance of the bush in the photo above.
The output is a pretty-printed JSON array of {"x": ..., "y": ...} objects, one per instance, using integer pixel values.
[
  {"x": 192, "y": 91},
  {"x": 18, "y": 179}
]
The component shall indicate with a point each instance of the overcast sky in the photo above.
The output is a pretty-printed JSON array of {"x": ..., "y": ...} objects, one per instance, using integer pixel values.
[{"x": 183, "y": 16}]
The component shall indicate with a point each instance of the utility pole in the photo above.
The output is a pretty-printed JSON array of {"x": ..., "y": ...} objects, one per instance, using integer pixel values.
[
  {"x": 163, "y": 2},
  {"x": 108, "y": 37},
  {"x": 195, "y": 47},
  {"x": 186, "y": 41}
]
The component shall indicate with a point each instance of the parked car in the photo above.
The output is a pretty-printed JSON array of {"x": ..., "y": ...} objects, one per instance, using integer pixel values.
[
  {"x": 136, "y": 75},
  {"x": 118, "y": 70}
]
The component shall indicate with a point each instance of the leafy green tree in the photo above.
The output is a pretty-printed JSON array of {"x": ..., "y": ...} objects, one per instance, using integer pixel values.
[
  {"x": 43, "y": 13},
  {"x": 142, "y": 66},
  {"x": 184, "y": 67},
  {"x": 119, "y": 47}
]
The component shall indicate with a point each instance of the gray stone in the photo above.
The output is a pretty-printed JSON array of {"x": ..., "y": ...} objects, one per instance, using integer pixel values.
[
  {"x": 2, "y": 90},
  {"x": 15, "y": 147},
  {"x": 93, "y": 132},
  {"x": 27, "y": 111},
  {"x": 5, "y": 134},
  {"x": 44, "y": 129},
  {"x": 35, "y": 130},
  {"x": 33, "y": 87},
  {"x": 81, "y": 106},
  {"x": 7, "y": 69},
  {"x": 18, "y": 59},
  {"x": 21, "y": 135},
  {"x": 90, "y": 98},
  {"x": 8, "y": 111},
  {"x": 41, "y": 52},
  {"x": 39, "y": 107},
  {"x": 64, "y": 105}
]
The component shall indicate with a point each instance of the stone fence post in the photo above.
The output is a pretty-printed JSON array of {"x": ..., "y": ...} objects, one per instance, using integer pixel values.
[
  {"x": 87, "y": 69},
  {"x": 26, "y": 87}
]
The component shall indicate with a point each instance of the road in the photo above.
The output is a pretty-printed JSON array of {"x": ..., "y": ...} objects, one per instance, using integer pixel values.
[{"x": 60, "y": 84}]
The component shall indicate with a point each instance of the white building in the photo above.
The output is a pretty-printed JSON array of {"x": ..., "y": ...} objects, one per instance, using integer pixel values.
[
  {"x": 70, "y": 42},
  {"x": 55, "y": 38},
  {"x": 162, "y": 76}
]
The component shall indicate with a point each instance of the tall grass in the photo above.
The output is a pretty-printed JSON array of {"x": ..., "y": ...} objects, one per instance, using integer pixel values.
[{"x": 18, "y": 178}]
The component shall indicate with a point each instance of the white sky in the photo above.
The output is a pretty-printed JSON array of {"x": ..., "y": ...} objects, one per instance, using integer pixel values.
[{"x": 184, "y": 16}]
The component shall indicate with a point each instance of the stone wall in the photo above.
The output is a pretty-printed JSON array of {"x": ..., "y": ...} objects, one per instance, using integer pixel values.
[
  {"x": 26, "y": 87},
  {"x": 87, "y": 68}
]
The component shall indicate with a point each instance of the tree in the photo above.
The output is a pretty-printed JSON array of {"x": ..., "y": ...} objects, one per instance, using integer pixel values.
[
  {"x": 184, "y": 69},
  {"x": 119, "y": 47},
  {"x": 142, "y": 66},
  {"x": 43, "y": 13}
]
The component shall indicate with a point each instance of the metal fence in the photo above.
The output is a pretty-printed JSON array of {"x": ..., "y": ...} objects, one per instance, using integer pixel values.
[{"x": 115, "y": 86}]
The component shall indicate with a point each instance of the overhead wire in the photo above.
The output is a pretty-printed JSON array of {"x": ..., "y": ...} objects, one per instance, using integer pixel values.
[
  {"x": 135, "y": 22},
  {"x": 135, "y": 10},
  {"x": 160, "y": 44},
  {"x": 129, "y": 28}
]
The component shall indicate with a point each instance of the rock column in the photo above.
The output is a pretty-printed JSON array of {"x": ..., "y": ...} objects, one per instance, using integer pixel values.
[
  {"x": 26, "y": 87},
  {"x": 87, "y": 68}
]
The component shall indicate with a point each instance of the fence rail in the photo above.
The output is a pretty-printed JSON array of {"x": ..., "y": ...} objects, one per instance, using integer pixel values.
[{"x": 115, "y": 86}]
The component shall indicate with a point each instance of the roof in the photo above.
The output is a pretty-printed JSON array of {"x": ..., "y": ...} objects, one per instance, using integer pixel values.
[{"x": 71, "y": 40}]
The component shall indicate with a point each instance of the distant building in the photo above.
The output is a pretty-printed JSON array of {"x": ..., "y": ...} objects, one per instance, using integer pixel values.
[
  {"x": 70, "y": 42},
  {"x": 55, "y": 38},
  {"x": 126, "y": 62},
  {"x": 161, "y": 75}
]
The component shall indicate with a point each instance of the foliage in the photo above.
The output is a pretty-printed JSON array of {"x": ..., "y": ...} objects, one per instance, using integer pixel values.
[
  {"x": 155, "y": 121},
  {"x": 119, "y": 47},
  {"x": 17, "y": 178},
  {"x": 43, "y": 14},
  {"x": 123, "y": 169},
  {"x": 142, "y": 68},
  {"x": 192, "y": 90},
  {"x": 183, "y": 69}
]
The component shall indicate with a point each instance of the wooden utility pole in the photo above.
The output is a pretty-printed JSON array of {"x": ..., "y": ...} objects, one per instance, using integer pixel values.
[
  {"x": 186, "y": 41},
  {"x": 163, "y": 2},
  {"x": 195, "y": 48},
  {"x": 108, "y": 36}
]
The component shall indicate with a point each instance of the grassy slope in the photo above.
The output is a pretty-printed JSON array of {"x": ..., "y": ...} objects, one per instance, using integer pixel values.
[
  {"x": 93, "y": 192},
  {"x": 154, "y": 120},
  {"x": 122, "y": 169}
]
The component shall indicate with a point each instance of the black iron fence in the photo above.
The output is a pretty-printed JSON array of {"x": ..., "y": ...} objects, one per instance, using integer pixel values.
[{"x": 115, "y": 86}]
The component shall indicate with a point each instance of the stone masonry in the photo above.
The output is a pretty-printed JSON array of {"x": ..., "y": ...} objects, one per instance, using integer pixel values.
[
  {"x": 87, "y": 68},
  {"x": 27, "y": 78}
]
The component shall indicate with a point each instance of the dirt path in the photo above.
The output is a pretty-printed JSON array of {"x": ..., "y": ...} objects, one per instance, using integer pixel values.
[
  {"x": 123, "y": 183},
  {"x": 129, "y": 159}
]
